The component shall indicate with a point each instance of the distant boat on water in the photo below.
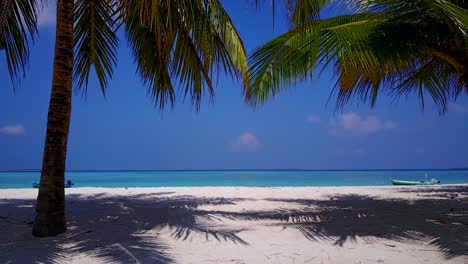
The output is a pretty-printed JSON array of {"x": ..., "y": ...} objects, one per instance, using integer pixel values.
[
  {"x": 67, "y": 185},
  {"x": 431, "y": 182},
  {"x": 425, "y": 182}
]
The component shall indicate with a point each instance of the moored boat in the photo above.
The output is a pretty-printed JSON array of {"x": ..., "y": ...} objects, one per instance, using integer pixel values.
[
  {"x": 67, "y": 185},
  {"x": 399, "y": 182}
]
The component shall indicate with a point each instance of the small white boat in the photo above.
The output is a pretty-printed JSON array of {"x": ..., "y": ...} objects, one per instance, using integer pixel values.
[{"x": 431, "y": 182}]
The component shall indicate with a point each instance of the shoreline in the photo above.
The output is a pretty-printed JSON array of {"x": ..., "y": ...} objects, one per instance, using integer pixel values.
[
  {"x": 198, "y": 170},
  {"x": 361, "y": 224},
  {"x": 235, "y": 179},
  {"x": 234, "y": 186}
]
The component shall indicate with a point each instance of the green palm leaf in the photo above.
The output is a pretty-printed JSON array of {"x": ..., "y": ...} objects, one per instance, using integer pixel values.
[
  {"x": 293, "y": 56},
  {"x": 398, "y": 47},
  {"x": 95, "y": 41},
  {"x": 18, "y": 27},
  {"x": 181, "y": 44}
]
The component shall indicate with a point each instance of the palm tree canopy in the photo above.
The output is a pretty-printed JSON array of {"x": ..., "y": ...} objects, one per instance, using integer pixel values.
[
  {"x": 182, "y": 42},
  {"x": 391, "y": 46},
  {"x": 18, "y": 27},
  {"x": 175, "y": 44}
]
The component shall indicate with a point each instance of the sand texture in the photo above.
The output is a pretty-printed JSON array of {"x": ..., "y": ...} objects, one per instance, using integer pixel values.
[{"x": 244, "y": 225}]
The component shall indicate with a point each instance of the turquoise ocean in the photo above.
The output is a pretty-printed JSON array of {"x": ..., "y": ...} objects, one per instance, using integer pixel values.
[{"x": 236, "y": 178}]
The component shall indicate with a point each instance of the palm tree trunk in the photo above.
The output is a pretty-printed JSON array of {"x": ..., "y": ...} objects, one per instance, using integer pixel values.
[{"x": 50, "y": 206}]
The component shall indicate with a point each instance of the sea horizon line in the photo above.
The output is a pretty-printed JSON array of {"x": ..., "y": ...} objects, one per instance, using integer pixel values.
[{"x": 188, "y": 170}]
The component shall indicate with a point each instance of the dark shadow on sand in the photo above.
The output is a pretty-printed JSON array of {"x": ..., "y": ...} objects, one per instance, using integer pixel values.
[
  {"x": 116, "y": 232},
  {"x": 444, "y": 191},
  {"x": 441, "y": 222},
  {"x": 138, "y": 219}
]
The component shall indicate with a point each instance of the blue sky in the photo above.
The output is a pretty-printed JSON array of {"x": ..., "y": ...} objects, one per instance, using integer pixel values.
[{"x": 297, "y": 130}]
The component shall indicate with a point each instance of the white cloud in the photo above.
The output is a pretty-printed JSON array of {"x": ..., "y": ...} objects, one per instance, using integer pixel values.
[
  {"x": 313, "y": 119},
  {"x": 352, "y": 122},
  {"x": 459, "y": 108},
  {"x": 13, "y": 130},
  {"x": 246, "y": 141},
  {"x": 47, "y": 16}
]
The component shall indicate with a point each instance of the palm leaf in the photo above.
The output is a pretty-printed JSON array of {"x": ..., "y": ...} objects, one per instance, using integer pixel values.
[
  {"x": 394, "y": 46},
  {"x": 456, "y": 14},
  {"x": 182, "y": 44},
  {"x": 304, "y": 11},
  {"x": 293, "y": 56},
  {"x": 151, "y": 44},
  {"x": 95, "y": 41},
  {"x": 18, "y": 27}
]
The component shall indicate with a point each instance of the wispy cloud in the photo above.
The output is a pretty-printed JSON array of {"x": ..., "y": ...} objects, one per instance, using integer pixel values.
[
  {"x": 12, "y": 130},
  {"x": 246, "y": 141},
  {"x": 47, "y": 16},
  {"x": 313, "y": 119},
  {"x": 459, "y": 108},
  {"x": 352, "y": 122}
]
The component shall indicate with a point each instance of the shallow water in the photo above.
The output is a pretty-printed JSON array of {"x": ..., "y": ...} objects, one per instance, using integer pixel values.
[{"x": 235, "y": 178}]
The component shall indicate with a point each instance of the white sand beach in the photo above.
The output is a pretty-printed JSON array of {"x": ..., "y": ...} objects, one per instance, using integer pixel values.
[{"x": 244, "y": 225}]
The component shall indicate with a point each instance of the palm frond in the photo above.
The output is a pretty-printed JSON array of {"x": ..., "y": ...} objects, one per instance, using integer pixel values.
[
  {"x": 95, "y": 42},
  {"x": 18, "y": 28},
  {"x": 293, "y": 56},
  {"x": 234, "y": 58},
  {"x": 392, "y": 46},
  {"x": 304, "y": 11},
  {"x": 4, "y": 10},
  {"x": 456, "y": 14},
  {"x": 427, "y": 77},
  {"x": 182, "y": 44},
  {"x": 151, "y": 44}
]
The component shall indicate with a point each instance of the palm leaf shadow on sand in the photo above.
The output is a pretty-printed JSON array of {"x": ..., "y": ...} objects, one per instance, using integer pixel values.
[
  {"x": 115, "y": 230},
  {"x": 442, "y": 223},
  {"x": 440, "y": 218},
  {"x": 127, "y": 228}
]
